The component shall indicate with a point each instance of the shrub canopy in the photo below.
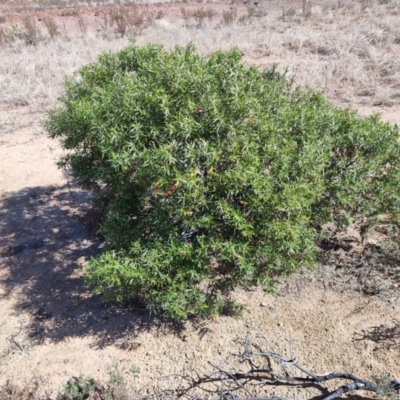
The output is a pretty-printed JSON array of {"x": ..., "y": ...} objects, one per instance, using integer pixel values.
[{"x": 213, "y": 174}]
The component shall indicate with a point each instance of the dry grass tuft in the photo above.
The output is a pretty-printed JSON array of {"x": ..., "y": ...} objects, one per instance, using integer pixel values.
[
  {"x": 128, "y": 21},
  {"x": 31, "y": 31},
  {"x": 82, "y": 23},
  {"x": 33, "y": 75},
  {"x": 364, "y": 4},
  {"x": 229, "y": 16},
  {"x": 307, "y": 8},
  {"x": 121, "y": 21},
  {"x": 200, "y": 15},
  {"x": 51, "y": 26}
]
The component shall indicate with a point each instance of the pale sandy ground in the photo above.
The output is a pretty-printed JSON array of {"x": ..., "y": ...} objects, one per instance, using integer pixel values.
[
  {"x": 390, "y": 114},
  {"x": 52, "y": 327}
]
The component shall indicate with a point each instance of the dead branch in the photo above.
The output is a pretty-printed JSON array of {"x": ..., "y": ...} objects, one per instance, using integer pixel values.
[{"x": 232, "y": 383}]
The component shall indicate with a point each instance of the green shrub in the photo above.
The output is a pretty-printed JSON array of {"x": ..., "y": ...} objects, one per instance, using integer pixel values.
[
  {"x": 213, "y": 174},
  {"x": 78, "y": 388}
]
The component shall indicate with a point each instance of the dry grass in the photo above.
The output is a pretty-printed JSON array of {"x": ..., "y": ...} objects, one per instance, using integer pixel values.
[
  {"x": 352, "y": 57},
  {"x": 127, "y": 21},
  {"x": 34, "y": 75},
  {"x": 51, "y": 26},
  {"x": 365, "y": 4},
  {"x": 83, "y": 24},
  {"x": 307, "y": 8},
  {"x": 199, "y": 15},
  {"x": 229, "y": 16}
]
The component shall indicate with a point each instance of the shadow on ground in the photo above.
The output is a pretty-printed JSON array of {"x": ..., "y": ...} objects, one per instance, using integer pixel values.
[
  {"x": 45, "y": 239},
  {"x": 385, "y": 337}
]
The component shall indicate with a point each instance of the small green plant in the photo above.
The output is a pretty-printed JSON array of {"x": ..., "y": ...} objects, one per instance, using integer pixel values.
[
  {"x": 116, "y": 390},
  {"x": 78, "y": 388},
  {"x": 115, "y": 376},
  {"x": 213, "y": 174},
  {"x": 134, "y": 370},
  {"x": 82, "y": 388},
  {"x": 384, "y": 391}
]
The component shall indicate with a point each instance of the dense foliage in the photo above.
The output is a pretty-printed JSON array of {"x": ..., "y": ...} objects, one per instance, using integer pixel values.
[{"x": 213, "y": 174}]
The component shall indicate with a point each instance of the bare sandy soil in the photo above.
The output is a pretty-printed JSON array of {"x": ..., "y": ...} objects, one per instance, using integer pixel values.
[{"x": 52, "y": 327}]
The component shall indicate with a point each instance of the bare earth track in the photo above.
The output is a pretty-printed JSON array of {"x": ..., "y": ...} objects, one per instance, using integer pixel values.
[{"x": 52, "y": 327}]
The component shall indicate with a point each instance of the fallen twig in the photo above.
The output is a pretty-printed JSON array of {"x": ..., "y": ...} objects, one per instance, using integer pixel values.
[{"x": 234, "y": 385}]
